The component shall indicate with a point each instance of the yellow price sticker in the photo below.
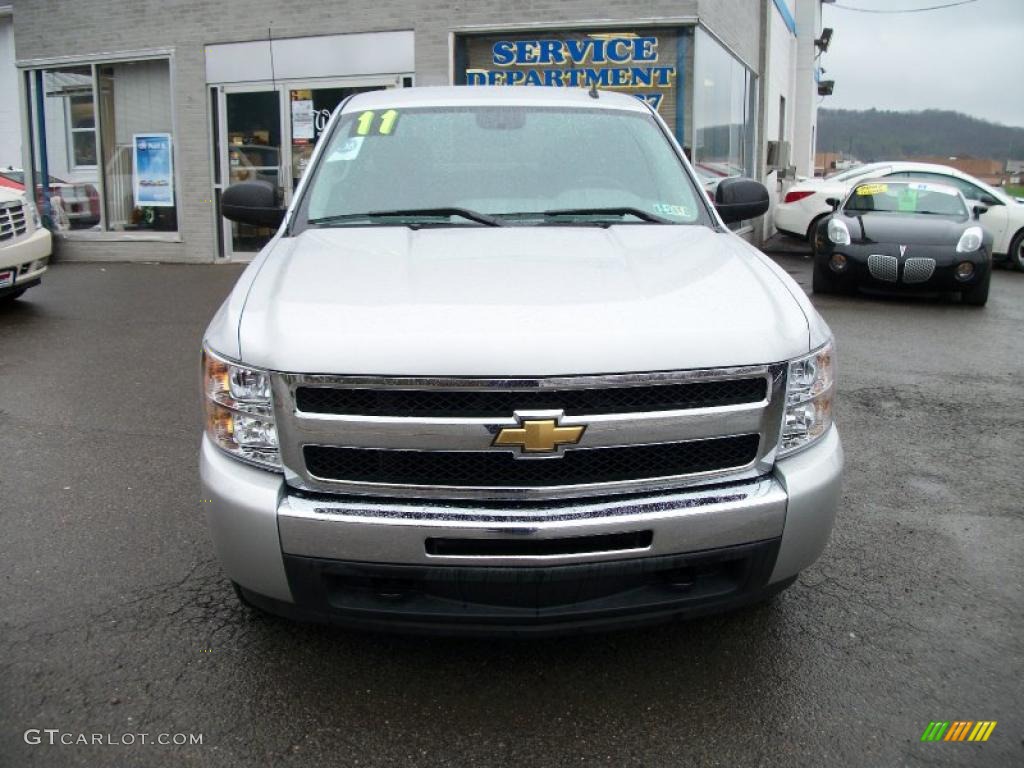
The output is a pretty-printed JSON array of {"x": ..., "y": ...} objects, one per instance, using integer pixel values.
[
  {"x": 364, "y": 123},
  {"x": 872, "y": 189}
]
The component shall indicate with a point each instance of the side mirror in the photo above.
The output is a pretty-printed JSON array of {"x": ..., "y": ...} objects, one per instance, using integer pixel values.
[
  {"x": 252, "y": 202},
  {"x": 986, "y": 199},
  {"x": 834, "y": 202},
  {"x": 738, "y": 199},
  {"x": 979, "y": 210}
]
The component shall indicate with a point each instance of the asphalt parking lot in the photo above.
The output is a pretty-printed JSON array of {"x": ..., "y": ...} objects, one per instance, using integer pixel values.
[{"x": 116, "y": 619}]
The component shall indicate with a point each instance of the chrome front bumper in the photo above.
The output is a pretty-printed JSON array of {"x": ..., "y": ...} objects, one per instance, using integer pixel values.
[
  {"x": 256, "y": 521},
  {"x": 396, "y": 533}
]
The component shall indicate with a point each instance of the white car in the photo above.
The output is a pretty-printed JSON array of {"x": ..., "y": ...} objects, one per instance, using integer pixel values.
[
  {"x": 804, "y": 204},
  {"x": 24, "y": 245}
]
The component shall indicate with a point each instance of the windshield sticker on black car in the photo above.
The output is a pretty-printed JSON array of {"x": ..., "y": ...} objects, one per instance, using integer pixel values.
[
  {"x": 872, "y": 189},
  {"x": 907, "y": 199},
  {"x": 922, "y": 187}
]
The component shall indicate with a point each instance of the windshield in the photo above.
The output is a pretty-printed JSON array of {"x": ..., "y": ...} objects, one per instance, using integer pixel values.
[
  {"x": 473, "y": 166},
  {"x": 905, "y": 197}
]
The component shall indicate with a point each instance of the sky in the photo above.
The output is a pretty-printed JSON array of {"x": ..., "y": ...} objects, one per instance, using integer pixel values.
[{"x": 969, "y": 58}]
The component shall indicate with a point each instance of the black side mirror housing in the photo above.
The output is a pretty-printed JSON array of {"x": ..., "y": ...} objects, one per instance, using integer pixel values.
[
  {"x": 987, "y": 200},
  {"x": 833, "y": 201},
  {"x": 737, "y": 199},
  {"x": 253, "y": 202},
  {"x": 979, "y": 210}
]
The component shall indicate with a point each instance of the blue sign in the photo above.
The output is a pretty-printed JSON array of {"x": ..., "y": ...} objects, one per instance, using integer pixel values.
[
  {"x": 623, "y": 60},
  {"x": 152, "y": 170}
]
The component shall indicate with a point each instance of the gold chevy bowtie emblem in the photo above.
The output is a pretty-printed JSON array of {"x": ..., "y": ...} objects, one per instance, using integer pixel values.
[{"x": 539, "y": 435}]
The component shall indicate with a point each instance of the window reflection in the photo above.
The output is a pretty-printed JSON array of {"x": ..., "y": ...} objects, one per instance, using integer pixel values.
[
  {"x": 70, "y": 128},
  {"x": 107, "y": 130},
  {"x": 723, "y": 112}
]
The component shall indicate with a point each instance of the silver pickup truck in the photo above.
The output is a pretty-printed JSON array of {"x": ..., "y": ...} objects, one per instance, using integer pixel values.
[{"x": 505, "y": 369}]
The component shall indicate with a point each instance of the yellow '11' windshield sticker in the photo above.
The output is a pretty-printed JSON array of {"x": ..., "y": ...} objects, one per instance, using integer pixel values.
[
  {"x": 385, "y": 126},
  {"x": 872, "y": 189}
]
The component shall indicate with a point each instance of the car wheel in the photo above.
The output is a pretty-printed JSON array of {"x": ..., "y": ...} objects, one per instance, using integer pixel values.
[
  {"x": 11, "y": 296},
  {"x": 977, "y": 295},
  {"x": 1017, "y": 251},
  {"x": 822, "y": 281},
  {"x": 812, "y": 232}
]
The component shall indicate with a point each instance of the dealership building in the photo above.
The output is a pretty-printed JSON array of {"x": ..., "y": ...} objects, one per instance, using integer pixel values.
[{"x": 141, "y": 114}]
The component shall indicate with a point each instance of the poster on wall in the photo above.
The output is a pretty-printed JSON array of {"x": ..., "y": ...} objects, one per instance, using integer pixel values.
[{"x": 152, "y": 170}]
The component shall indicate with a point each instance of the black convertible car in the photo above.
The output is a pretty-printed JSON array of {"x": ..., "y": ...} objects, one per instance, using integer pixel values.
[{"x": 904, "y": 235}]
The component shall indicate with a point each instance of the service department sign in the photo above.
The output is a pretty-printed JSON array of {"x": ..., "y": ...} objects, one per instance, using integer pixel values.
[{"x": 645, "y": 64}]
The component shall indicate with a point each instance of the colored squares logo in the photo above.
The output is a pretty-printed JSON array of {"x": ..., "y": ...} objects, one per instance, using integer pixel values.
[{"x": 958, "y": 730}]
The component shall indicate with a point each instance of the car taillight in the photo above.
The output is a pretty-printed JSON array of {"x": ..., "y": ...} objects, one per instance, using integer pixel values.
[{"x": 792, "y": 197}]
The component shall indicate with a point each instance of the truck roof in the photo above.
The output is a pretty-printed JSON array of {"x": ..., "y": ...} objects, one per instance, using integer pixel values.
[{"x": 470, "y": 95}]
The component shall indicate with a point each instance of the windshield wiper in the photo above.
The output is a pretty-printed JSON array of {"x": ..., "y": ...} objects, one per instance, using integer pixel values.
[
  {"x": 466, "y": 213},
  {"x": 613, "y": 211}
]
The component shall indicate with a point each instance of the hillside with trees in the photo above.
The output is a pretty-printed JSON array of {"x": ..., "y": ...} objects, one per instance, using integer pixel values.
[{"x": 874, "y": 134}]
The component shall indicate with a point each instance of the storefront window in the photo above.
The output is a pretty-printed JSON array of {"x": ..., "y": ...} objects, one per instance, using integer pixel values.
[
  {"x": 107, "y": 145},
  {"x": 723, "y": 112}
]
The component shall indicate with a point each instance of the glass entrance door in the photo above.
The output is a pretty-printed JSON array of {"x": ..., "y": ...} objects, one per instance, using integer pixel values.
[
  {"x": 268, "y": 132},
  {"x": 311, "y": 108},
  {"x": 252, "y": 143}
]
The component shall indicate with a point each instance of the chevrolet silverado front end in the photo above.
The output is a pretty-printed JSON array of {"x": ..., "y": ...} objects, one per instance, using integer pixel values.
[{"x": 494, "y": 376}]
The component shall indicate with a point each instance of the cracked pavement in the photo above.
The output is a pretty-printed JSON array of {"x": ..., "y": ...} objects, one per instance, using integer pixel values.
[{"x": 117, "y": 620}]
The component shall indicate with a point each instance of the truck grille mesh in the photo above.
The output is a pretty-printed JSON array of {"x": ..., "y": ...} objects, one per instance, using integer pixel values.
[
  {"x": 498, "y": 469},
  {"x": 12, "y": 221},
  {"x": 484, "y": 402}
]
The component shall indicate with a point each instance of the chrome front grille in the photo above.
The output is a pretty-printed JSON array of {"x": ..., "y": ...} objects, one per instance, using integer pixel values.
[
  {"x": 883, "y": 267},
  {"x": 437, "y": 438},
  {"x": 12, "y": 221},
  {"x": 352, "y": 401},
  {"x": 466, "y": 469},
  {"x": 918, "y": 270}
]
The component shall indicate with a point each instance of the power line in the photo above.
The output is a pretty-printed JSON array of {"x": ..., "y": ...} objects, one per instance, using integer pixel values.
[{"x": 903, "y": 10}]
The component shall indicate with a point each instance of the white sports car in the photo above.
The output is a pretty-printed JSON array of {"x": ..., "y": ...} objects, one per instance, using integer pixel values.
[{"x": 804, "y": 204}]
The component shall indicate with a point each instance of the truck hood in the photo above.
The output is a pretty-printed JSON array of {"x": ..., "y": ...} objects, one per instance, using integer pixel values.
[
  {"x": 516, "y": 301},
  {"x": 10, "y": 195}
]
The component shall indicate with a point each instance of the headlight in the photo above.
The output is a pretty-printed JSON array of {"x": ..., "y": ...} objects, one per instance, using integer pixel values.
[
  {"x": 970, "y": 240},
  {"x": 809, "y": 394},
  {"x": 838, "y": 232},
  {"x": 240, "y": 411}
]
